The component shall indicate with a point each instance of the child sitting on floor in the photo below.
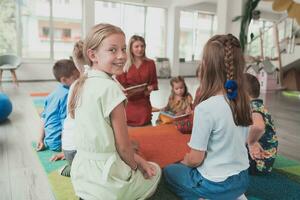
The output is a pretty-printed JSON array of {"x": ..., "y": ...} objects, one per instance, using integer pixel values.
[
  {"x": 217, "y": 165},
  {"x": 262, "y": 139},
  {"x": 180, "y": 100},
  {"x": 68, "y": 146},
  {"x": 54, "y": 112}
]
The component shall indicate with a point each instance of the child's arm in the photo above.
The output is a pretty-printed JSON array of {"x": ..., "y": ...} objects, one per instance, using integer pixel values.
[
  {"x": 256, "y": 151},
  {"x": 188, "y": 110},
  {"x": 40, "y": 145},
  {"x": 194, "y": 158},
  {"x": 257, "y": 129},
  {"x": 124, "y": 146}
]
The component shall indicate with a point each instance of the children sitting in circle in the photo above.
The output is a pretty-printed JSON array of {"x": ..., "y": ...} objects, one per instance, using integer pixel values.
[
  {"x": 180, "y": 101},
  {"x": 262, "y": 139}
]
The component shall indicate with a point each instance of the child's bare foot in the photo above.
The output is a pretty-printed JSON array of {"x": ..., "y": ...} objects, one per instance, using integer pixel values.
[{"x": 59, "y": 156}]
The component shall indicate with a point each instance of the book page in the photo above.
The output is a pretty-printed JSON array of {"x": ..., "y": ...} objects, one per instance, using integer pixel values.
[
  {"x": 131, "y": 89},
  {"x": 141, "y": 86},
  {"x": 172, "y": 115}
]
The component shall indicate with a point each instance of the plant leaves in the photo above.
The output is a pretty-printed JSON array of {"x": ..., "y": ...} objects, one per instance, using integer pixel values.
[{"x": 237, "y": 18}]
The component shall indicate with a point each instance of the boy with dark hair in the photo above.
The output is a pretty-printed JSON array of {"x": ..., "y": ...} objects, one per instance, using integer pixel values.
[
  {"x": 262, "y": 139},
  {"x": 55, "y": 107}
]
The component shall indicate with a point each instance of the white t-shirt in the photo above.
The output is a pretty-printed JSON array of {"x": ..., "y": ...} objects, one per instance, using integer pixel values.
[
  {"x": 67, "y": 137},
  {"x": 68, "y": 134},
  {"x": 68, "y": 128},
  {"x": 215, "y": 132}
]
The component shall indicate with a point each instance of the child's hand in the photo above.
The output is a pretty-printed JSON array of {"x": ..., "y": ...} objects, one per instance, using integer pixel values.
[
  {"x": 188, "y": 110},
  {"x": 59, "y": 156},
  {"x": 40, "y": 146},
  {"x": 180, "y": 113},
  {"x": 256, "y": 151},
  {"x": 148, "y": 170}
]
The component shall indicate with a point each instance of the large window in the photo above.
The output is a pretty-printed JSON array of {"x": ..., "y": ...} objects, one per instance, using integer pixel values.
[
  {"x": 8, "y": 36},
  {"x": 67, "y": 20},
  {"x": 148, "y": 22},
  {"x": 36, "y": 31},
  {"x": 195, "y": 29},
  {"x": 155, "y": 32},
  {"x": 44, "y": 29},
  {"x": 254, "y": 45}
]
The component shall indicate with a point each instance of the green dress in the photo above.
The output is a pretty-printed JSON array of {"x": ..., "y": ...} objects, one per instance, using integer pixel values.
[
  {"x": 97, "y": 171},
  {"x": 268, "y": 141}
]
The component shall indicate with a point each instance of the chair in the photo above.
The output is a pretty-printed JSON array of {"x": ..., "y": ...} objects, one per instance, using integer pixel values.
[{"x": 11, "y": 63}]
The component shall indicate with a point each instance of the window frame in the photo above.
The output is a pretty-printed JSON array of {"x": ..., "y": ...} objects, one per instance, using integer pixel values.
[
  {"x": 195, "y": 29},
  {"x": 145, "y": 19},
  {"x": 52, "y": 39}
]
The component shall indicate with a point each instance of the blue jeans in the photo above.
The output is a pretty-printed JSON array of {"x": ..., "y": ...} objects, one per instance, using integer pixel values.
[{"x": 189, "y": 184}]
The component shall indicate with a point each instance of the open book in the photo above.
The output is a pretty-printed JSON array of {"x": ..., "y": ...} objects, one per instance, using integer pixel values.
[
  {"x": 173, "y": 116},
  {"x": 141, "y": 87},
  {"x": 132, "y": 89}
]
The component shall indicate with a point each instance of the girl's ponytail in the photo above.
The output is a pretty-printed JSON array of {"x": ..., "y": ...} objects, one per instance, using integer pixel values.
[
  {"x": 79, "y": 61},
  {"x": 78, "y": 56},
  {"x": 75, "y": 95}
]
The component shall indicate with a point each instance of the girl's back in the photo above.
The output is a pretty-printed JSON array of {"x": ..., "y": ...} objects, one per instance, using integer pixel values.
[
  {"x": 225, "y": 145},
  {"x": 90, "y": 120}
]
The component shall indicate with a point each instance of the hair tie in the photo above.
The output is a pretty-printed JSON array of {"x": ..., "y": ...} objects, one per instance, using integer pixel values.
[{"x": 231, "y": 89}]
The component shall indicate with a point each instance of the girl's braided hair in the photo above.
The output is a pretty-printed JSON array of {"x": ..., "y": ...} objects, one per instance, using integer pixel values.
[{"x": 223, "y": 61}]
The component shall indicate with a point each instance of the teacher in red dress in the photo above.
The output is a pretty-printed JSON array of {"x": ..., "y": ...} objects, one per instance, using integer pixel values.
[{"x": 138, "y": 70}]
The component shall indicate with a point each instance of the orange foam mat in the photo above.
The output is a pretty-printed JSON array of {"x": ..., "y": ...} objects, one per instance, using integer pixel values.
[
  {"x": 162, "y": 144},
  {"x": 39, "y": 94}
]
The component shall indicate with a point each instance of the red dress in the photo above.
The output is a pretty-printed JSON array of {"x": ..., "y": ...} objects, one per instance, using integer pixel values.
[{"x": 138, "y": 108}]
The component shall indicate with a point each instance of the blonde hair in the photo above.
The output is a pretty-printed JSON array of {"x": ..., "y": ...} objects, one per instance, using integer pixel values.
[
  {"x": 78, "y": 57},
  {"x": 92, "y": 41},
  {"x": 223, "y": 60},
  {"x": 130, "y": 56}
]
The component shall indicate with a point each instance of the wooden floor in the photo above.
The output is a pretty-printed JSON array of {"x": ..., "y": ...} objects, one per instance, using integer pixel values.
[{"x": 22, "y": 176}]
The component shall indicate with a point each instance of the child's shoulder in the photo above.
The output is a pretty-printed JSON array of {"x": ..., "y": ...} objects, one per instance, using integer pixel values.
[
  {"x": 213, "y": 103},
  {"x": 60, "y": 91}
]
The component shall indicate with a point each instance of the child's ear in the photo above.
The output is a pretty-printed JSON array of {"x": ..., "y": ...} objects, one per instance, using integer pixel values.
[
  {"x": 91, "y": 55},
  {"x": 63, "y": 80}
]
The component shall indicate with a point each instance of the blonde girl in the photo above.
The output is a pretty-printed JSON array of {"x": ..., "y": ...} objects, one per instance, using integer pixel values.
[
  {"x": 105, "y": 166},
  {"x": 216, "y": 166},
  {"x": 179, "y": 103},
  {"x": 180, "y": 100}
]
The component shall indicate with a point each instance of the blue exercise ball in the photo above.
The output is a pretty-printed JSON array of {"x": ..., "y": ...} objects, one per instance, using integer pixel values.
[{"x": 5, "y": 106}]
